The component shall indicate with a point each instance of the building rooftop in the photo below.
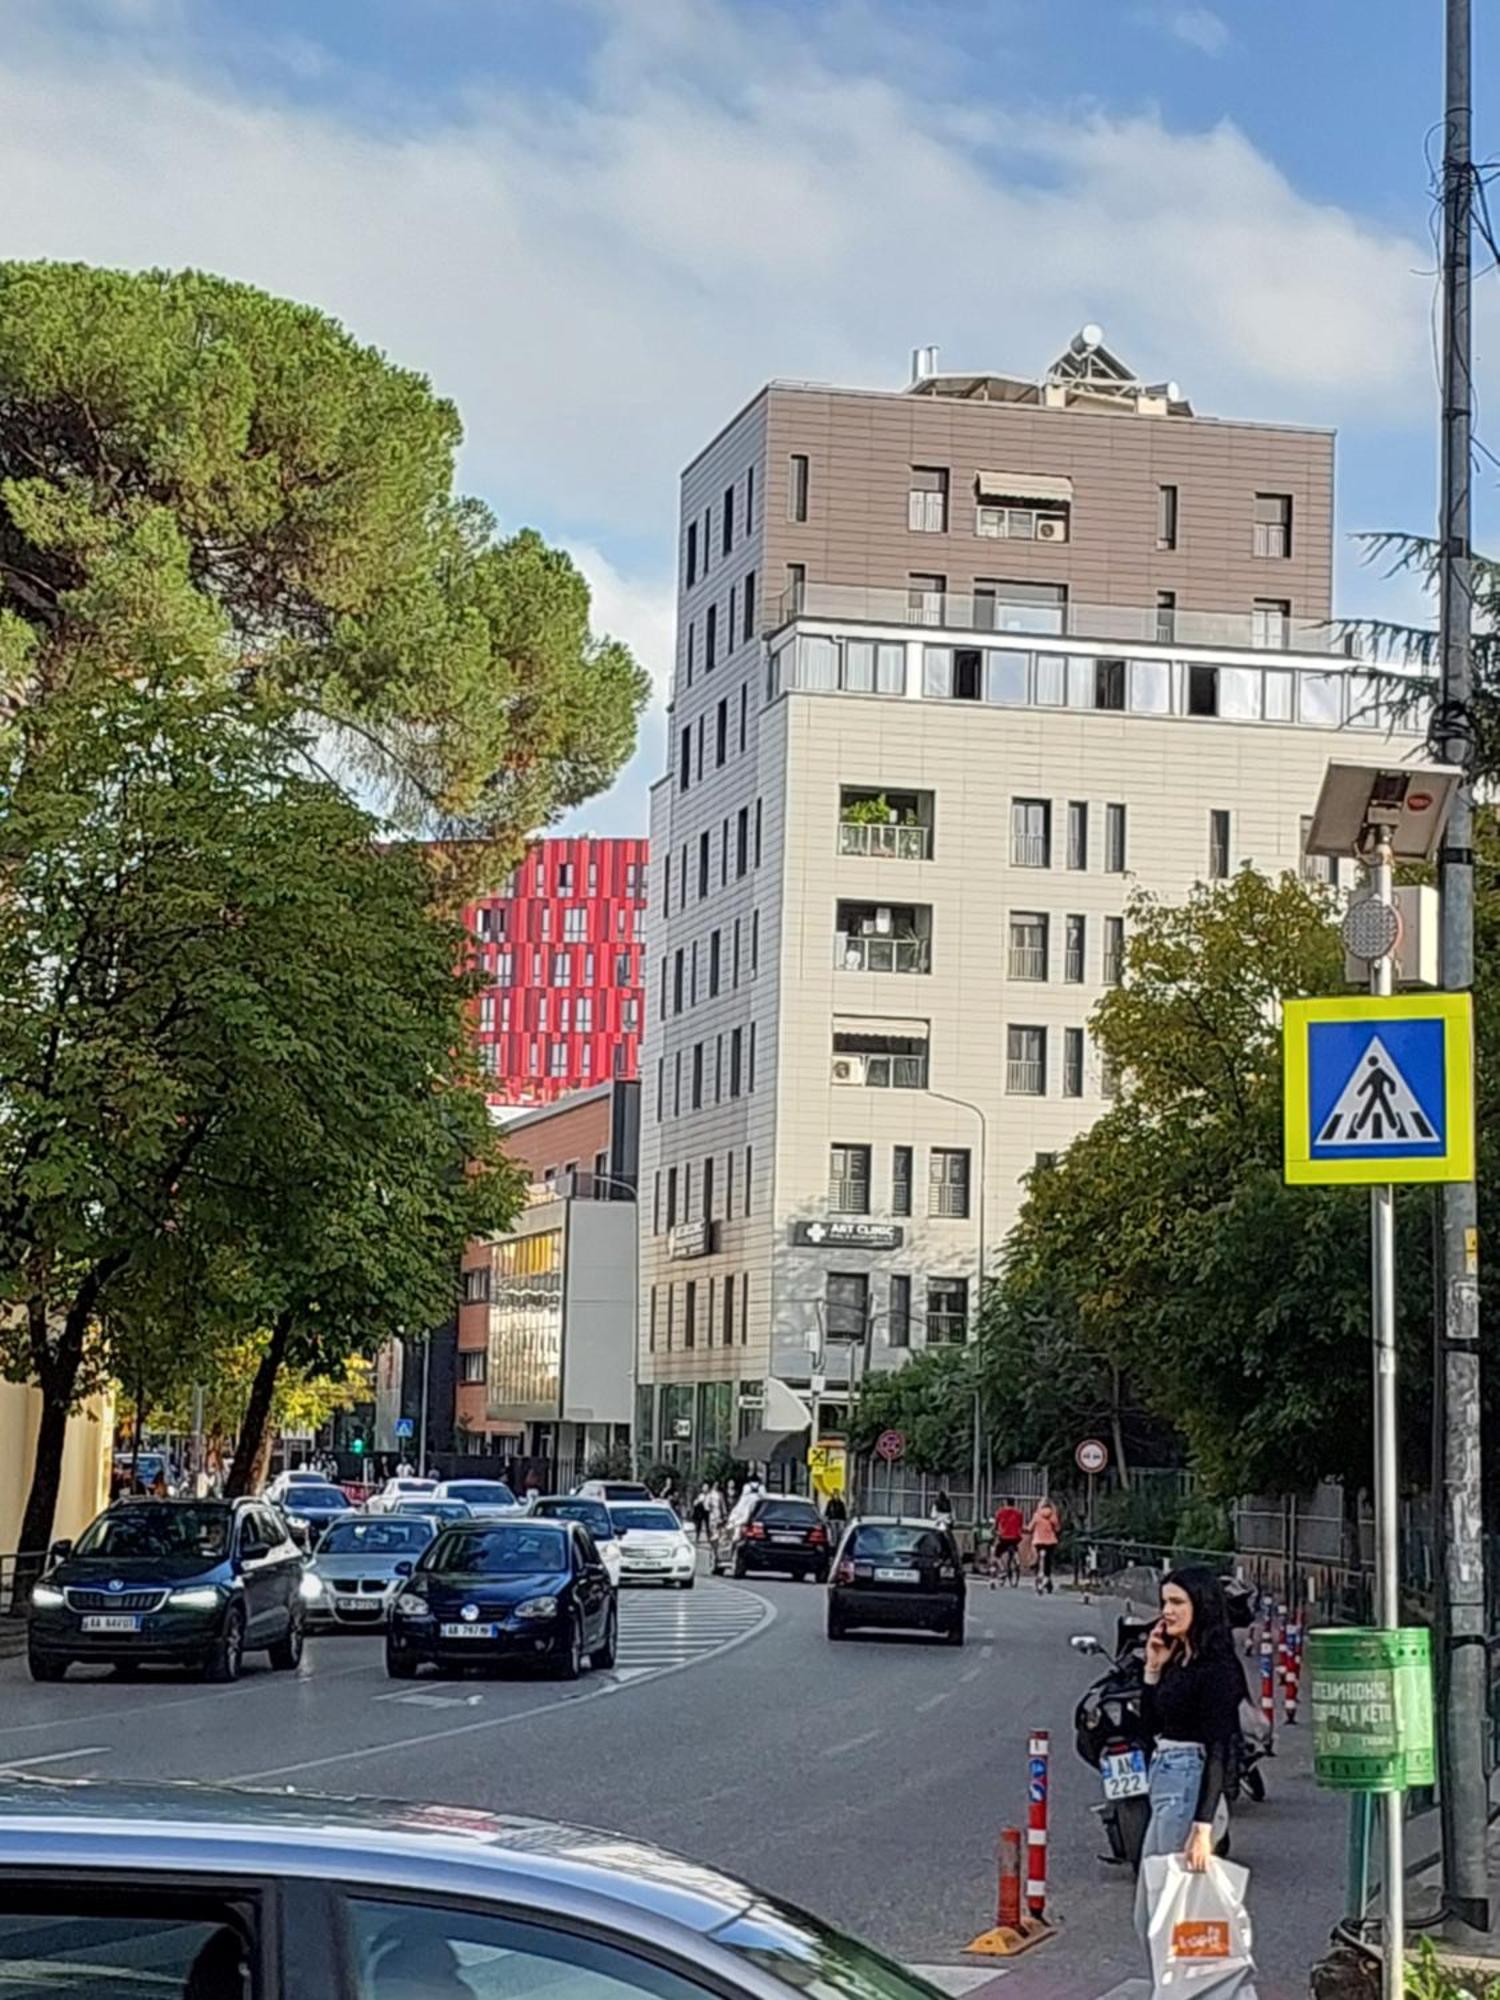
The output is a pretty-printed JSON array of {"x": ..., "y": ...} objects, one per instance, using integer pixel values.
[{"x": 1087, "y": 375}]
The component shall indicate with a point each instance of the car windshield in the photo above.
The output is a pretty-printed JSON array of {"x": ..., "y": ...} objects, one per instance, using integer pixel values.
[
  {"x": 480, "y": 1492},
  {"x": 817, "y": 1960},
  {"x": 158, "y": 1531},
  {"x": 435, "y": 1510},
  {"x": 376, "y": 1538},
  {"x": 890, "y": 1539},
  {"x": 656, "y": 1520},
  {"x": 413, "y": 1486},
  {"x": 594, "y": 1515},
  {"x": 521, "y": 1548},
  {"x": 626, "y": 1493},
  {"x": 315, "y": 1496}
]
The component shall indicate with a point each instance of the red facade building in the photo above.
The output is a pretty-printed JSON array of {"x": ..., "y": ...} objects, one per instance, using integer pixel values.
[{"x": 561, "y": 953}]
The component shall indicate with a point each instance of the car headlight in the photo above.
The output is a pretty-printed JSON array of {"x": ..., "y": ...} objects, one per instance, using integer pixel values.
[
  {"x": 199, "y": 1597},
  {"x": 312, "y": 1586},
  {"x": 537, "y": 1607},
  {"x": 412, "y": 1606},
  {"x": 47, "y": 1597}
]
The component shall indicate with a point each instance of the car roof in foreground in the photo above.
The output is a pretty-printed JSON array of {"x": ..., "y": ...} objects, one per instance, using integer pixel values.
[{"x": 199, "y": 1830}]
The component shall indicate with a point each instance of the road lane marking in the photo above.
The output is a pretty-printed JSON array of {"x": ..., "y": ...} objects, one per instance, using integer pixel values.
[
  {"x": 972, "y": 1675},
  {"x": 958, "y": 1980},
  {"x": 934, "y": 1701},
  {"x": 838, "y": 1749},
  {"x": 53, "y": 1757},
  {"x": 608, "y": 1687}
]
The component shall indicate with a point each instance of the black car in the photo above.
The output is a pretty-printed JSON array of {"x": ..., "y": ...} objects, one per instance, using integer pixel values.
[
  {"x": 783, "y": 1534},
  {"x": 489, "y": 1591},
  {"x": 309, "y": 1509},
  {"x": 901, "y": 1574},
  {"x": 170, "y": 1582}
]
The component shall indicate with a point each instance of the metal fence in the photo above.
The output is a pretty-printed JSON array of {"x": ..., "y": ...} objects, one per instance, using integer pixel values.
[{"x": 896, "y": 1489}]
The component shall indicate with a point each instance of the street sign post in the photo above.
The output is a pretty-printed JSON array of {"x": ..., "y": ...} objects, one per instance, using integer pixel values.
[
  {"x": 405, "y": 1428},
  {"x": 890, "y": 1446},
  {"x": 1091, "y": 1457}
]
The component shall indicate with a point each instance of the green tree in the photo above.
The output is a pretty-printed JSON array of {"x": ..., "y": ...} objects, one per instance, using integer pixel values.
[
  {"x": 930, "y": 1400},
  {"x": 193, "y": 471}
]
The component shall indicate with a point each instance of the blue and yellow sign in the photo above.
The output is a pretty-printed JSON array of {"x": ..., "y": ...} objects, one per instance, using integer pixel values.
[{"x": 1379, "y": 1089}]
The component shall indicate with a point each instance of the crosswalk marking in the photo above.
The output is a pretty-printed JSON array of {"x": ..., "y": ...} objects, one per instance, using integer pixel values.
[{"x": 664, "y": 1629}]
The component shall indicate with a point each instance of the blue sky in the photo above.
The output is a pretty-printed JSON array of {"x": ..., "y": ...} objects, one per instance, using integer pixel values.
[{"x": 600, "y": 224}]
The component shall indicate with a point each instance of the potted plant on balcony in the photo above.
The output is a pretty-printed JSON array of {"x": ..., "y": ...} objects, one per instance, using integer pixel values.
[{"x": 868, "y": 812}]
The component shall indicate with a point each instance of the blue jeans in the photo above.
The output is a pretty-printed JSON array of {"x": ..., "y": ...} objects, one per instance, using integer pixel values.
[{"x": 1176, "y": 1774}]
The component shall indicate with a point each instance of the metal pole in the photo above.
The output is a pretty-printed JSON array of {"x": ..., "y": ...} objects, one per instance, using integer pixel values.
[
  {"x": 1461, "y": 1574},
  {"x": 1387, "y": 1466},
  {"x": 422, "y": 1422}
]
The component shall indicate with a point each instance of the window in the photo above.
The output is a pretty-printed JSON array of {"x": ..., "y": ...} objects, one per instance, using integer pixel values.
[
  {"x": 927, "y": 500},
  {"x": 557, "y": 1059},
  {"x": 1114, "y": 950},
  {"x": 798, "y": 486},
  {"x": 1006, "y": 676},
  {"x": 1114, "y": 840},
  {"x": 671, "y": 1314},
  {"x": 846, "y": 1305},
  {"x": 721, "y": 734},
  {"x": 883, "y": 1062},
  {"x": 1317, "y": 867},
  {"x": 679, "y": 963},
  {"x": 1075, "y": 948},
  {"x": 677, "y": 1084},
  {"x": 718, "y": 1069},
  {"x": 575, "y": 924},
  {"x": 1030, "y": 833},
  {"x": 1109, "y": 1082},
  {"x": 1202, "y": 690},
  {"x": 1028, "y": 945},
  {"x": 546, "y": 921},
  {"x": 729, "y": 1184},
  {"x": 744, "y": 712},
  {"x": 736, "y": 1053},
  {"x": 651, "y": 1336},
  {"x": 750, "y": 1060},
  {"x": 477, "y": 1286},
  {"x": 796, "y": 587},
  {"x": 583, "y": 1014},
  {"x": 692, "y": 633},
  {"x": 898, "y": 1321},
  {"x": 685, "y": 760},
  {"x": 747, "y": 631},
  {"x": 471, "y": 1364},
  {"x": 692, "y": 554},
  {"x": 1166, "y": 517},
  {"x": 754, "y": 942},
  {"x": 742, "y": 842},
  {"x": 661, "y": 1086},
  {"x": 1078, "y": 834},
  {"x": 924, "y": 599},
  {"x": 728, "y": 519},
  {"x": 1009, "y": 605},
  {"x": 849, "y": 1180},
  {"x": 724, "y": 856},
  {"x": 729, "y": 623},
  {"x": 1026, "y": 1062},
  {"x": 671, "y": 1197},
  {"x": 702, "y": 864},
  {"x": 948, "y": 1181},
  {"x": 689, "y": 1326},
  {"x": 129, "y": 1938},
  {"x": 750, "y": 500},
  {"x": 1166, "y": 617},
  {"x": 708, "y": 1192},
  {"x": 729, "y": 1306},
  {"x": 707, "y": 542},
  {"x": 714, "y": 961},
  {"x": 757, "y": 832},
  {"x": 1273, "y": 525},
  {"x": 901, "y": 1158},
  {"x": 1072, "y": 1078},
  {"x": 693, "y": 973},
  {"x": 734, "y": 960},
  {"x": 947, "y": 1311},
  {"x": 562, "y": 968},
  {"x": 711, "y": 639},
  {"x": 701, "y": 720},
  {"x": 1270, "y": 622},
  {"x": 1109, "y": 684},
  {"x": 1151, "y": 685},
  {"x": 619, "y": 1056},
  {"x": 1218, "y": 846},
  {"x": 622, "y": 968}
]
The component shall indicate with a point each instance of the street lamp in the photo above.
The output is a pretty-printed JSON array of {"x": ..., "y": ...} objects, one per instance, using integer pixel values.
[{"x": 963, "y": 1104}]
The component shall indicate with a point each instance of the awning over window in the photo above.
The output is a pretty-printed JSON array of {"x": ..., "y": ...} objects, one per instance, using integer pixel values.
[
  {"x": 1002, "y": 486},
  {"x": 769, "y": 1447}
]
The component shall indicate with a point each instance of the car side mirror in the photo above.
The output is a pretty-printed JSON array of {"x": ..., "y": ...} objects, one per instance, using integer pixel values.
[
  {"x": 61, "y": 1550},
  {"x": 253, "y": 1551},
  {"x": 405, "y": 1568},
  {"x": 1085, "y": 1642}
]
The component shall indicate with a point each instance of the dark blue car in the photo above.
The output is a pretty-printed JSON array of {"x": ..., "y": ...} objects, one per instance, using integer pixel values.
[{"x": 535, "y": 1592}]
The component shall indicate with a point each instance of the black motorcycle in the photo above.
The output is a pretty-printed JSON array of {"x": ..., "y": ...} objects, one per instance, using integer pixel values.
[{"x": 1108, "y": 1734}]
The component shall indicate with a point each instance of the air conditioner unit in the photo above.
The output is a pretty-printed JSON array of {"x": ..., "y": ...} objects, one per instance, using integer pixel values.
[
  {"x": 1052, "y": 528},
  {"x": 883, "y": 922},
  {"x": 848, "y": 1069}
]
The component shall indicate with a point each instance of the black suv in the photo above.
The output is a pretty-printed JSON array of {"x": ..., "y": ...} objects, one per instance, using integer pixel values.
[
  {"x": 785, "y": 1534},
  {"x": 170, "y": 1582}
]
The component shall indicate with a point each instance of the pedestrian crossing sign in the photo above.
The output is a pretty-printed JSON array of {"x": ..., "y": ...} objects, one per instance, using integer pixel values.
[{"x": 1379, "y": 1089}]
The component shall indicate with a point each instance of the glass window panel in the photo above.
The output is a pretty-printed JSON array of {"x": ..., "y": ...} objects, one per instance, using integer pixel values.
[
  {"x": 1321, "y": 698},
  {"x": 1239, "y": 693},
  {"x": 1081, "y": 677},
  {"x": 1365, "y": 708},
  {"x": 1279, "y": 690},
  {"x": 859, "y": 666},
  {"x": 1051, "y": 679},
  {"x": 890, "y": 670},
  {"x": 1151, "y": 687},
  {"x": 1005, "y": 678},
  {"x": 937, "y": 670},
  {"x": 818, "y": 664}
]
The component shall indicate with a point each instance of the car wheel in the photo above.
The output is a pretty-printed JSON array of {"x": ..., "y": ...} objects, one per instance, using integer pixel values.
[
  {"x": 570, "y": 1666},
  {"x": 820, "y": 1574},
  {"x": 836, "y": 1627},
  {"x": 127, "y": 1670},
  {"x": 737, "y": 1568},
  {"x": 44, "y": 1667},
  {"x": 286, "y": 1654},
  {"x": 228, "y": 1656},
  {"x": 603, "y": 1658},
  {"x": 399, "y": 1666},
  {"x": 954, "y": 1636},
  {"x": 686, "y": 1582}
]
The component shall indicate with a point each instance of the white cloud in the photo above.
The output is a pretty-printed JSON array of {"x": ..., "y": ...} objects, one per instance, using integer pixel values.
[
  {"x": 599, "y": 281},
  {"x": 1200, "y": 28}
]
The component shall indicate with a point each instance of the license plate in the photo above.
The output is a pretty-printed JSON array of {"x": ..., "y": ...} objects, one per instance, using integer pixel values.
[
  {"x": 468, "y": 1631},
  {"x": 355, "y": 1603},
  {"x": 896, "y": 1576},
  {"x": 1124, "y": 1774},
  {"x": 793, "y": 1541},
  {"x": 117, "y": 1623}
]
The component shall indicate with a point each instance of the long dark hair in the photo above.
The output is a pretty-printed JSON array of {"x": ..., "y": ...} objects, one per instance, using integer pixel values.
[{"x": 1209, "y": 1635}]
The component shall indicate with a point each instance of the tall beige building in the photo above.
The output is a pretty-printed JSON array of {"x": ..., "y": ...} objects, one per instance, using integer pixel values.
[{"x": 958, "y": 668}]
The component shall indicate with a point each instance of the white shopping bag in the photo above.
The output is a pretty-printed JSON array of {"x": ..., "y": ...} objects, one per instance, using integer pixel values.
[{"x": 1198, "y": 1931}]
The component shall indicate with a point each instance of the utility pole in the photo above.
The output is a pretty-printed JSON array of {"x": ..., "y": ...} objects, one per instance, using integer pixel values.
[{"x": 1462, "y": 1688}]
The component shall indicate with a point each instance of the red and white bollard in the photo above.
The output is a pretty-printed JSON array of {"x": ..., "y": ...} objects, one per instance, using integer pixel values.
[
  {"x": 1267, "y": 1679},
  {"x": 1293, "y": 1672},
  {"x": 1283, "y": 1652},
  {"x": 1008, "y": 1900},
  {"x": 1039, "y": 1752}
]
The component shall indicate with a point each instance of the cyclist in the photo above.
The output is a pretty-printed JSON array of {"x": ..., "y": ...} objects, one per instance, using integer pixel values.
[
  {"x": 1046, "y": 1533},
  {"x": 1005, "y": 1557}
]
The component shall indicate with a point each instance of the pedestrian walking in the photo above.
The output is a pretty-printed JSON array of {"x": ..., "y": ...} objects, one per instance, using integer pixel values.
[
  {"x": 836, "y": 1514},
  {"x": 1190, "y": 1709},
  {"x": 1045, "y": 1529},
  {"x": 942, "y": 1511},
  {"x": 718, "y": 1508},
  {"x": 405, "y": 1469},
  {"x": 700, "y": 1513},
  {"x": 1005, "y": 1556}
]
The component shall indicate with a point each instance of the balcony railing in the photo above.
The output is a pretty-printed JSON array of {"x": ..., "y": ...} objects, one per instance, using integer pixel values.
[
  {"x": 884, "y": 842},
  {"x": 1114, "y": 968},
  {"x": 948, "y": 1200},
  {"x": 882, "y": 954},
  {"x": 1028, "y": 961},
  {"x": 1118, "y": 624},
  {"x": 848, "y": 1197},
  {"x": 1025, "y": 1079},
  {"x": 947, "y": 1329},
  {"x": 1073, "y": 964}
]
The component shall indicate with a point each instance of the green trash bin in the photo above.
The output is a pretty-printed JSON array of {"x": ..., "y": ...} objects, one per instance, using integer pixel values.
[{"x": 1370, "y": 1692}]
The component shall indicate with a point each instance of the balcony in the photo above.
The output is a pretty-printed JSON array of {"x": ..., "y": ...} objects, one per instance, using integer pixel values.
[
  {"x": 884, "y": 843},
  {"x": 1025, "y": 1078},
  {"x": 883, "y": 937},
  {"x": 885, "y": 825},
  {"x": 879, "y": 1062},
  {"x": 1118, "y": 624}
]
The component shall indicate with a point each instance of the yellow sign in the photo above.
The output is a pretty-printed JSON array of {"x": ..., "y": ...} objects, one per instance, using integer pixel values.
[
  {"x": 829, "y": 1465},
  {"x": 1379, "y": 1089}
]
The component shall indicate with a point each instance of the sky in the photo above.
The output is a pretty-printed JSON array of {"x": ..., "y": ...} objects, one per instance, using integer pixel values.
[{"x": 600, "y": 225}]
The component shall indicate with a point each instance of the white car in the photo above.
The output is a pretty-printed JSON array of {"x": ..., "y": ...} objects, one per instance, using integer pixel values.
[
  {"x": 284, "y": 1481},
  {"x": 654, "y": 1545},
  {"x": 611, "y": 1490},
  {"x": 395, "y": 1490},
  {"x": 488, "y": 1499}
]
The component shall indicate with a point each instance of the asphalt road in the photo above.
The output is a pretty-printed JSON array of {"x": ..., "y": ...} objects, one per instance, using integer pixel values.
[{"x": 867, "y": 1781}]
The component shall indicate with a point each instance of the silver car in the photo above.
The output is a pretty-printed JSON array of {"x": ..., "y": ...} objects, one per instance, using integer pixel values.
[
  {"x": 357, "y": 1568},
  {"x": 122, "y": 1889}
]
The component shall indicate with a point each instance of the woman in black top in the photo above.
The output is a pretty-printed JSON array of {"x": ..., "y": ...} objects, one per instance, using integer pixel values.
[{"x": 1191, "y": 1710}]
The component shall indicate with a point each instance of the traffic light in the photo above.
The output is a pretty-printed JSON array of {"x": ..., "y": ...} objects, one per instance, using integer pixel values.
[{"x": 357, "y": 1446}]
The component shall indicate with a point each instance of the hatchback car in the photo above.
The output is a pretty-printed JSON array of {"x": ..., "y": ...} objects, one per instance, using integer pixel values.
[
  {"x": 309, "y": 1508},
  {"x": 489, "y": 1499},
  {"x": 175, "y": 1582},
  {"x": 594, "y": 1515},
  {"x": 784, "y": 1534},
  {"x": 897, "y": 1574},
  {"x": 654, "y": 1545},
  {"x": 357, "y": 1569},
  {"x": 134, "y": 1889},
  {"x": 396, "y": 1490},
  {"x": 535, "y": 1592}
]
